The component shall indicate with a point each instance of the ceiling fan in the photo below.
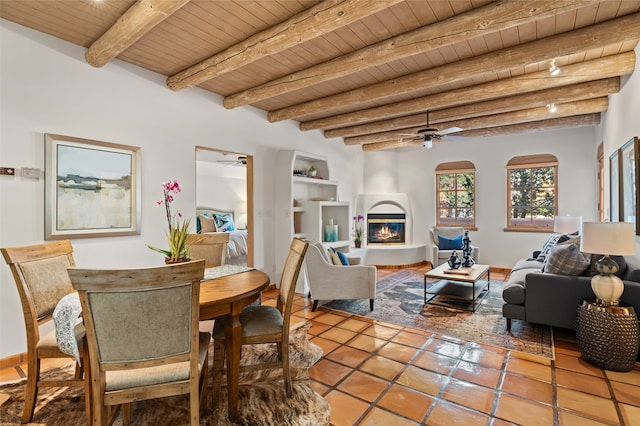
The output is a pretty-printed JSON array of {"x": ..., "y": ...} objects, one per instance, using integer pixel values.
[
  {"x": 241, "y": 161},
  {"x": 429, "y": 134}
]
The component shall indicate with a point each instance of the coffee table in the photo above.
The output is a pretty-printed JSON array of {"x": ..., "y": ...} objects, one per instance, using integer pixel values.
[{"x": 458, "y": 284}]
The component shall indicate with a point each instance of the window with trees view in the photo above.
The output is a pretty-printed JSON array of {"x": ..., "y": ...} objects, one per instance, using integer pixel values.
[
  {"x": 532, "y": 192},
  {"x": 456, "y": 194}
]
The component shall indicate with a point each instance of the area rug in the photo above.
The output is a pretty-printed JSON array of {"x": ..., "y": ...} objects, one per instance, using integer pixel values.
[
  {"x": 262, "y": 397},
  {"x": 400, "y": 300}
]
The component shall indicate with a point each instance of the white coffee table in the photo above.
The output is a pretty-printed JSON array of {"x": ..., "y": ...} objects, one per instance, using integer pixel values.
[{"x": 459, "y": 284}]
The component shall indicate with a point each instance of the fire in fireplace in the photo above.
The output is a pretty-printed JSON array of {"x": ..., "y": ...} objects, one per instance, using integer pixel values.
[{"x": 386, "y": 228}]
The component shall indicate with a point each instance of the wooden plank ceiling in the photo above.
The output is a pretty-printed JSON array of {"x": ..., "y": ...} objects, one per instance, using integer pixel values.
[{"x": 367, "y": 71}]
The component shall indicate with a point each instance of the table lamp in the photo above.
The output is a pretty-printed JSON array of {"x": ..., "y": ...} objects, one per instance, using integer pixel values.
[
  {"x": 607, "y": 238},
  {"x": 567, "y": 224}
]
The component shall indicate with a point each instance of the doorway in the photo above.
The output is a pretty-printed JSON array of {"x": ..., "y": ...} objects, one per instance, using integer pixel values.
[{"x": 224, "y": 184}]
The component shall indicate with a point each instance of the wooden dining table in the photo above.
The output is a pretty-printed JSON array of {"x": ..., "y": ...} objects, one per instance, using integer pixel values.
[{"x": 227, "y": 295}]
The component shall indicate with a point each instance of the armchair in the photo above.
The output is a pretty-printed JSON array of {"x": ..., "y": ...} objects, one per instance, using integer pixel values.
[
  {"x": 438, "y": 256},
  {"x": 331, "y": 282}
]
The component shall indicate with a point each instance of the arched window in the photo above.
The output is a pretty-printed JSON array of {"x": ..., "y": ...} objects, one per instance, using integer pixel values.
[
  {"x": 456, "y": 194},
  {"x": 532, "y": 192}
]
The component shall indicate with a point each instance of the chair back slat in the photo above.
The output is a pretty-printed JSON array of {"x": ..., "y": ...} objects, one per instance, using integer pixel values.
[{"x": 290, "y": 273}]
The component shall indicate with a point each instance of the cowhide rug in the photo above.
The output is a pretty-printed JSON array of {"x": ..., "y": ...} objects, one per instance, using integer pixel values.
[{"x": 262, "y": 396}]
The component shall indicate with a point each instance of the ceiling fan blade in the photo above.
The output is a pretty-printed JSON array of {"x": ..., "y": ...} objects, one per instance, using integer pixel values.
[
  {"x": 450, "y": 130},
  {"x": 454, "y": 138},
  {"x": 428, "y": 130}
]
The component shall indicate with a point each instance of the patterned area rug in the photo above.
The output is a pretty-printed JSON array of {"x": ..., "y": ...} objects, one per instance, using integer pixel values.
[
  {"x": 400, "y": 300},
  {"x": 262, "y": 396}
]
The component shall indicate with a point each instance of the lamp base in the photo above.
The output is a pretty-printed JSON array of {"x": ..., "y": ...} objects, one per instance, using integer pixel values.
[{"x": 607, "y": 287}]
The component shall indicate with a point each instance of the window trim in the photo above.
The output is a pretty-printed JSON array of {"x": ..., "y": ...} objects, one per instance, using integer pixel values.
[
  {"x": 456, "y": 167},
  {"x": 530, "y": 162}
]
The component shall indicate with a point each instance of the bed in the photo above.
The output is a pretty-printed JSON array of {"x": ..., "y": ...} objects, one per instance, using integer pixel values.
[{"x": 211, "y": 219}]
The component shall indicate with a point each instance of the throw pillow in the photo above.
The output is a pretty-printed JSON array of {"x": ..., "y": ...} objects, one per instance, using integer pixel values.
[
  {"x": 566, "y": 259},
  {"x": 445, "y": 243},
  {"x": 207, "y": 224},
  {"x": 547, "y": 246},
  {"x": 224, "y": 222},
  {"x": 338, "y": 258}
]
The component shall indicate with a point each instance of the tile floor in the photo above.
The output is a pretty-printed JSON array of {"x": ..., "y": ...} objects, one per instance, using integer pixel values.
[{"x": 375, "y": 373}]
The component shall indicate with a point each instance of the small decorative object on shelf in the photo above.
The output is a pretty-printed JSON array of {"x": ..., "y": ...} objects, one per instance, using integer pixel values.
[
  {"x": 608, "y": 336},
  {"x": 312, "y": 171},
  {"x": 358, "y": 232},
  {"x": 454, "y": 261},
  {"x": 467, "y": 260},
  {"x": 177, "y": 233},
  {"x": 331, "y": 232}
]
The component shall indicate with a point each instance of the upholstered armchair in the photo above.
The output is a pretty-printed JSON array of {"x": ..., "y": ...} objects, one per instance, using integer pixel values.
[
  {"x": 328, "y": 281},
  {"x": 441, "y": 255}
]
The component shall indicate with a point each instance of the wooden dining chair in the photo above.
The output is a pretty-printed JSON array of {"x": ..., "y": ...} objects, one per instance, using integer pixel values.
[
  {"x": 264, "y": 324},
  {"x": 210, "y": 247},
  {"x": 143, "y": 337},
  {"x": 40, "y": 273}
]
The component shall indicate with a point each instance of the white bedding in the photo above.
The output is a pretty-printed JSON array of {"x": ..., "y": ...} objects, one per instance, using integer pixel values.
[{"x": 237, "y": 243}]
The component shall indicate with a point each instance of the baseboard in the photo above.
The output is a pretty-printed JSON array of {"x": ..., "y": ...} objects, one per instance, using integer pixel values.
[
  {"x": 424, "y": 262},
  {"x": 13, "y": 360}
]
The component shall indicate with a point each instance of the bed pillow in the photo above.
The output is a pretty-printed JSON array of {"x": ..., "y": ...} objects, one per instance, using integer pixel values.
[
  {"x": 445, "y": 243},
  {"x": 566, "y": 259},
  {"x": 207, "y": 224},
  {"x": 224, "y": 222}
]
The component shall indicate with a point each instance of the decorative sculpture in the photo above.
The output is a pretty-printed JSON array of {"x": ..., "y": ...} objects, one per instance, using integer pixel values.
[
  {"x": 454, "y": 260},
  {"x": 467, "y": 260}
]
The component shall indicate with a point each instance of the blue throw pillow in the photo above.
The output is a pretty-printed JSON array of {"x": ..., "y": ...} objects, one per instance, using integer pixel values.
[
  {"x": 342, "y": 256},
  {"x": 445, "y": 243},
  {"x": 224, "y": 222}
]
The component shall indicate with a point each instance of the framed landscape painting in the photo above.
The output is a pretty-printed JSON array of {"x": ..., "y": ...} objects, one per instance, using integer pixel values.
[
  {"x": 614, "y": 186},
  {"x": 630, "y": 176},
  {"x": 91, "y": 188}
]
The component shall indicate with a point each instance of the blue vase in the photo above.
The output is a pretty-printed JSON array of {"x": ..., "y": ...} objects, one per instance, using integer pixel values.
[{"x": 454, "y": 260}]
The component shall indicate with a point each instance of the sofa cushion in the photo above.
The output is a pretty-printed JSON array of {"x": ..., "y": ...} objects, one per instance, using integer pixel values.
[
  {"x": 527, "y": 264},
  {"x": 566, "y": 259},
  {"x": 513, "y": 293},
  {"x": 517, "y": 277},
  {"x": 445, "y": 243}
]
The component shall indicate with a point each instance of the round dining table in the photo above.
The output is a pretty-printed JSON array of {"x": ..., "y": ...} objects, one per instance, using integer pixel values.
[{"x": 228, "y": 295}]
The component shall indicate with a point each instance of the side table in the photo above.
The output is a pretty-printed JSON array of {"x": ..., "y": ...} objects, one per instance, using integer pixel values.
[{"x": 608, "y": 336}]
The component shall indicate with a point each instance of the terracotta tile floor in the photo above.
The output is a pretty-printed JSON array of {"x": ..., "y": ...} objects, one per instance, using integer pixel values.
[{"x": 375, "y": 373}]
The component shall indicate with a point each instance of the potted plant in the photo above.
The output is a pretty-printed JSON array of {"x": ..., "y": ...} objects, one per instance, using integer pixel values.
[
  {"x": 177, "y": 233},
  {"x": 358, "y": 231}
]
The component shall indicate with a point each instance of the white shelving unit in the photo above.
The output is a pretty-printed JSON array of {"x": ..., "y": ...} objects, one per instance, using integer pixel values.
[{"x": 306, "y": 204}]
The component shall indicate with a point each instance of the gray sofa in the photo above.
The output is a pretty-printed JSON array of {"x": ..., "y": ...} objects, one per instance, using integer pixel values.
[{"x": 552, "y": 299}]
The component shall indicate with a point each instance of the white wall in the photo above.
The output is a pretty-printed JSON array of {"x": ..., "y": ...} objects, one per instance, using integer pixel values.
[
  {"x": 47, "y": 87},
  {"x": 576, "y": 153}
]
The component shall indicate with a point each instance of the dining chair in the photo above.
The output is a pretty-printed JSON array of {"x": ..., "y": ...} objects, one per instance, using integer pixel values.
[
  {"x": 142, "y": 335},
  {"x": 40, "y": 273},
  {"x": 264, "y": 324},
  {"x": 210, "y": 247}
]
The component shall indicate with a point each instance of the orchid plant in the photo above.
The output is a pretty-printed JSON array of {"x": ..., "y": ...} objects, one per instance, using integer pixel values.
[
  {"x": 358, "y": 231},
  {"x": 177, "y": 234}
]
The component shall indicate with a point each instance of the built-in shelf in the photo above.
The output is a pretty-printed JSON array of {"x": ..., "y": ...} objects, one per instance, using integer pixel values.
[{"x": 316, "y": 204}]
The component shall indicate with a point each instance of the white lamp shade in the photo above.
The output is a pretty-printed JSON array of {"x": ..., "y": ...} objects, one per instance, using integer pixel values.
[
  {"x": 608, "y": 238},
  {"x": 567, "y": 224}
]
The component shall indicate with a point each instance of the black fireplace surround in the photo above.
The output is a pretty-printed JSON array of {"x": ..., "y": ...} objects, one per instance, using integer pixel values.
[{"x": 386, "y": 228}]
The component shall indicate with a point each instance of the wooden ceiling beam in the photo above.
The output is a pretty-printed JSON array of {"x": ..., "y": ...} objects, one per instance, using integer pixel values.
[
  {"x": 546, "y": 49},
  {"x": 138, "y": 20},
  {"x": 528, "y": 127},
  {"x": 609, "y": 66},
  {"x": 574, "y": 92},
  {"x": 323, "y": 18},
  {"x": 494, "y": 17},
  {"x": 586, "y": 106}
]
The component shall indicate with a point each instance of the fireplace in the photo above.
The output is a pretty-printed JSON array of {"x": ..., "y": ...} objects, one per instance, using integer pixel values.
[{"x": 386, "y": 228}]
